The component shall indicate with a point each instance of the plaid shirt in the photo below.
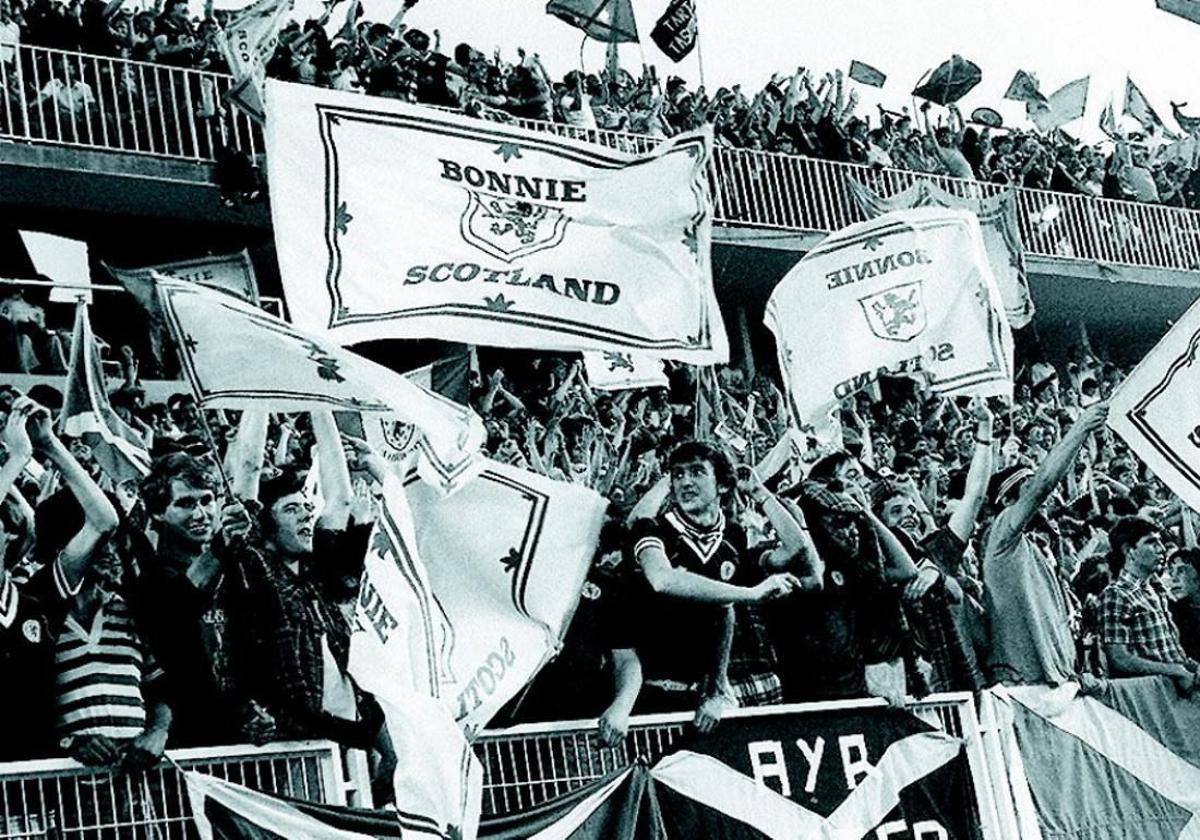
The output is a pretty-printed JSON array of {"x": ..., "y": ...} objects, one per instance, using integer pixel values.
[{"x": 1135, "y": 614}]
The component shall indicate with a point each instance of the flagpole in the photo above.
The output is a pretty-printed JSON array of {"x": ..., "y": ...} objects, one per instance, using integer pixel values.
[{"x": 699, "y": 51}]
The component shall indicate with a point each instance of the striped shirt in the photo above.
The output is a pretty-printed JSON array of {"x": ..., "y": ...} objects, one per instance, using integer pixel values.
[{"x": 99, "y": 674}]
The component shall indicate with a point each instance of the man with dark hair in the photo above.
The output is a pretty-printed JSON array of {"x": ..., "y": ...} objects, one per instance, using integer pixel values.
[
  {"x": 292, "y": 638},
  {"x": 180, "y": 600},
  {"x": 1183, "y": 585},
  {"x": 1026, "y": 595},
  {"x": 948, "y": 649},
  {"x": 1137, "y": 630},
  {"x": 674, "y": 643}
]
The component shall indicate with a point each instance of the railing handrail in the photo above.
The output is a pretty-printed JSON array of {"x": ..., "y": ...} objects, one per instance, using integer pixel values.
[
  {"x": 147, "y": 109},
  {"x": 183, "y": 757},
  {"x": 931, "y": 701}
]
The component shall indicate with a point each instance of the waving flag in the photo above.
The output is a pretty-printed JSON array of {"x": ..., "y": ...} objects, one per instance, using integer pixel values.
[
  {"x": 997, "y": 216},
  {"x": 395, "y": 221},
  {"x": 1118, "y": 765},
  {"x": 1186, "y": 9},
  {"x": 623, "y": 371},
  {"x": 1065, "y": 105},
  {"x": 865, "y": 74},
  {"x": 403, "y": 654},
  {"x": 248, "y": 44},
  {"x": 86, "y": 411},
  {"x": 1024, "y": 88},
  {"x": 506, "y": 590},
  {"x": 1139, "y": 107},
  {"x": 236, "y": 356},
  {"x": 667, "y": 27},
  {"x": 1156, "y": 409},
  {"x": 603, "y": 20},
  {"x": 1108, "y": 122},
  {"x": 908, "y": 293}
]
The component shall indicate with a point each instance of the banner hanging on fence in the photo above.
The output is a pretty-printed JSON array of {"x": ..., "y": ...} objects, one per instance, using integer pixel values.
[
  {"x": 997, "y": 216},
  {"x": 394, "y": 221},
  {"x": 909, "y": 293},
  {"x": 843, "y": 774},
  {"x": 1156, "y": 410},
  {"x": 1120, "y": 764}
]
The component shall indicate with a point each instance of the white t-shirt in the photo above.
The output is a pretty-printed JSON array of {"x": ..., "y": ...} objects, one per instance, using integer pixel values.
[
  {"x": 72, "y": 98},
  {"x": 10, "y": 38}
]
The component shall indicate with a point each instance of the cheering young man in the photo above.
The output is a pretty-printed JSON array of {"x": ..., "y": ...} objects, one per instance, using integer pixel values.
[{"x": 671, "y": 650}]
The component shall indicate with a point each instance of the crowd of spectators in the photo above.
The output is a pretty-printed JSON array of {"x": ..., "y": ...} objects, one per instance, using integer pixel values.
[
  {"x": 948, "y": 545},
  {"x": 801, "y": 114}
]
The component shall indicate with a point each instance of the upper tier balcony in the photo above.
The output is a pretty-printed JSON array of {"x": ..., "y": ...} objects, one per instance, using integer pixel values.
[{"x": 95, "y": 116}]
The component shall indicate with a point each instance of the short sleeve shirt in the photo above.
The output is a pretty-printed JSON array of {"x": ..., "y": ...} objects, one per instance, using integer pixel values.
[
  {"x": 1028, "y": 611},
  {"x": 30, "y": 617},
  {"x": 675, "y": 638}
]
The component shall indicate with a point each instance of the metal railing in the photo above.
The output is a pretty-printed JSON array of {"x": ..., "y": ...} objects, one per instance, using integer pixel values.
[
  {"x": 527, "y": 765},
  {"x": 50, "y": 96},
  {"x": 114, "y": 104},
  {"x": 62, "y": 798}
]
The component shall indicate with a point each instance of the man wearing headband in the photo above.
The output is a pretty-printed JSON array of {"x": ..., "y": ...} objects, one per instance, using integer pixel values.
[{"x": 1025, "y": 593}]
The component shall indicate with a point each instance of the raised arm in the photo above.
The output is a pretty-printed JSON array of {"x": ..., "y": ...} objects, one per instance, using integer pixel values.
[
  {"x": 99, "y": 516},
  {"x": 1051, "y": 471},
  {"x": 334, "y": 472},
  {"x": 962, "y": 521},
  {"x": 245, "y": 458}
]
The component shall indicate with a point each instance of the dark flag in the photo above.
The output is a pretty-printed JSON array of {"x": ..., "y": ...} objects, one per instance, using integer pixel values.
[
  {"x": 603, "y": 20},
  {"x": 849, "y": 774},
  {"x": 1186, "y": 9},
  {"x": 675, "y": 31},
  {"x": 950, "y": 81},
  {"x": 1191, "y": 125},
  {"x": 865, "y": 74}
]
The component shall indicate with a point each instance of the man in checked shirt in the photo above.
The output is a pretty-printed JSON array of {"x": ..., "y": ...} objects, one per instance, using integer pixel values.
[{"x": 1137, "y": 630}]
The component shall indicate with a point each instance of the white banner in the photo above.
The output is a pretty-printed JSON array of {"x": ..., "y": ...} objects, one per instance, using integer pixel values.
[
  {"x": 395, "y": 221},
  {"x": 232, "y": 273},
  {"x": 909, "y": 293},
  {"x": 621, "y": 371},
  {"x": 997, "y": 216},
  {"x": 401, "y": 654},
  {"x": 1156, "y": 410},
  {"x": 237, "y": 356},
  {"x": 506, "y": 558}
]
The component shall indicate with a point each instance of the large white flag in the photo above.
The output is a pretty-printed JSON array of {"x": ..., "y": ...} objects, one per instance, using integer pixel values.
[
  {"x": 401, "y": 653},
  {"x": 997, "y": 216},
  {"x": 396, "y": 221},
  {"x": 506, "y": 558},
  {"x": 236, "y": 356},
  {"x": 1157, "y": 408},
  {"x": 609, "y": 371},
  {"x": 907, "y": 293}
]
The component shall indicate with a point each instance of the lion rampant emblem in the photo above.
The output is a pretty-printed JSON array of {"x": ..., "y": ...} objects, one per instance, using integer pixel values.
[
  {"x": 511, "y": 228},
  {"x": 896, "y": 313}
]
